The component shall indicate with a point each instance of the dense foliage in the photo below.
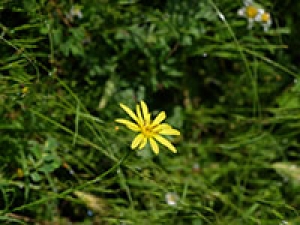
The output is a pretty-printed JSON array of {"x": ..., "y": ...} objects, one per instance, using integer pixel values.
[{"x": 229, "y": 84}]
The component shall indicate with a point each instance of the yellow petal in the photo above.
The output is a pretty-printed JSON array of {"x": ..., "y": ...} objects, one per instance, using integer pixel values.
[
  {"x": 139, "y": 114},
  {"x": 129, "y": 112},
  {"x": 169, "y": 131},
  {"x": 146, "y": 113},
  {"x": 154, "y": 146},
  {"x": 160, "y": 117},
  {"x": 137, "y": 140},
  {"x": 130, "y": 125},
  {"x": 143, "y": 143},
  {"x": 161, "y": 127},
  {"x": 165, "y": 142}
]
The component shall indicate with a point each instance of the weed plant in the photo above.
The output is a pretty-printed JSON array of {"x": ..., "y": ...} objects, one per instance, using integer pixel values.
[{"x": 226, "y": 77}]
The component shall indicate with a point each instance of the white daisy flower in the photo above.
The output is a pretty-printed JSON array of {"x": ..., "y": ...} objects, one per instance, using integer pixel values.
[
  {"x": 171, "y": 198},
  {"x": 265, "y": 19},
  {"x": 75, "y": 11},
  {"x": 250, "y": 12}
]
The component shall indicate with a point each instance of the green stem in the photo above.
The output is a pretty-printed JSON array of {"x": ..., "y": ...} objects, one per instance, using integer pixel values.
[
  {"x": 256, "y": 104},
  {"x": 69, "y": 131}
]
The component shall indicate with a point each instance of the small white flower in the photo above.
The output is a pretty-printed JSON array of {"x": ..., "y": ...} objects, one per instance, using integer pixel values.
[
  {"x": 265, "y": 19},
  {"x": 171, "y": 198},
  {"x": 250, "y": 12},
  {"x": 75, "y": 11},
  {"x": 196, "y": 167},
  {"x": 253, "y": 14}
]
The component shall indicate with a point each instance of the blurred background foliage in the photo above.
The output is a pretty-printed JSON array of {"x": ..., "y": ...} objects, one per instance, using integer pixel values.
[{"x": 232, "y": 91}]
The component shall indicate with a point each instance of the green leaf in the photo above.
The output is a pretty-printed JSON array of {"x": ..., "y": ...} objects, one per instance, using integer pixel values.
[
  {"x": 35, "y": 176},
  {"x": 51, "y": 144}
]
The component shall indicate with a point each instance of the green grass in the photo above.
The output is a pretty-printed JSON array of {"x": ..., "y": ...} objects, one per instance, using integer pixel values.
[{"x": 232, "y": 92}]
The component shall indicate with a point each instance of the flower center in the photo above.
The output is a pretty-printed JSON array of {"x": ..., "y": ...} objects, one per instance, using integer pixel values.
[
  {"x": 147, "y": 131},
  {"x": 265, "y": 17},
  {"x": 251, "y": 11}
]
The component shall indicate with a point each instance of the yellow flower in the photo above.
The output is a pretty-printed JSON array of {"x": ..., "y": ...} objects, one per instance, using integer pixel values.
[
  {"x": 148, "y": 130},
  {"x": 25, "y": 90},
  {"x": 20, "y": 173}
]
